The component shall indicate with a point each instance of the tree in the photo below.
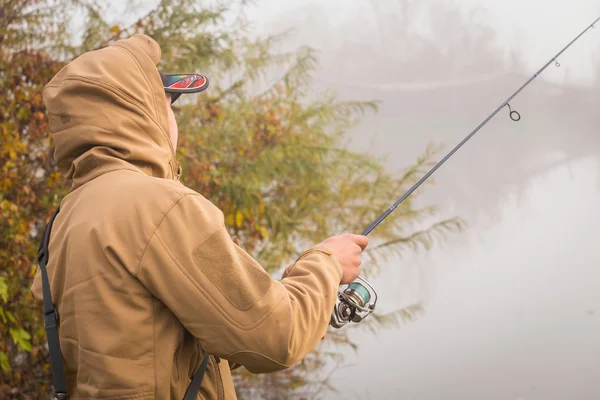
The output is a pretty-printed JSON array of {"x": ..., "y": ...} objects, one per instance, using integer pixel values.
[
  {"x": 29, "y": 189},
  {"x": 267, "y": 151}
]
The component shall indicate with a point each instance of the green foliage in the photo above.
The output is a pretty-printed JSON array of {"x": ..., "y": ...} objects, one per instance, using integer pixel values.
[
  {"x": 21, "y": 338},
  {"x": 3, "y": 290},
  {"x": 4, "y": 362},
  {"x": 259, "y": 144},
  {"x": 29, "y": 189}
]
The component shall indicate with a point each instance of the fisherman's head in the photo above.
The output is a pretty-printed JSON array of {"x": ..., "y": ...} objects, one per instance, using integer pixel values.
[{"x": 114, "y": 105}]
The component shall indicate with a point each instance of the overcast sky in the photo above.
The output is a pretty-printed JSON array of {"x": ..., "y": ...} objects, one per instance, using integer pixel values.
[
  {"x": 513, "y": 304},
  {"x": 541, "y": 28}
]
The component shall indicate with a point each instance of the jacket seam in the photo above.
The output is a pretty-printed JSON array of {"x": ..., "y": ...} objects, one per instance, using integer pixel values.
[
  {"x": 132, "y": 56},
  {"x": 143, "y": 175},
  {"x": 125, "y": 396},
  {"x": 154, "y": 346},
  {"x": 326, "y": 253},
  {"x": 260, "y": 355},
  {"x": 155, "y": 112},
  {"x": 218, "y": 379},
  {"x": 137, "y": 268}
]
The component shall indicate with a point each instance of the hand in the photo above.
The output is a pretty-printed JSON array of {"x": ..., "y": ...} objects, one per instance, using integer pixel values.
[{"x": 347, "y": 250}]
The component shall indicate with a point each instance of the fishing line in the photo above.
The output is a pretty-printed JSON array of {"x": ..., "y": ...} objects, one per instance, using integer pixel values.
[{"x": 513, "y": 114}]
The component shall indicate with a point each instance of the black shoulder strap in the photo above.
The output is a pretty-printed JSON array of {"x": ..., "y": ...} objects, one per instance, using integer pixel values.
[
  {"x": 192, "y": 391},
  {"x": 51, "y": 318},
  {"x": 51, "y": 323}
]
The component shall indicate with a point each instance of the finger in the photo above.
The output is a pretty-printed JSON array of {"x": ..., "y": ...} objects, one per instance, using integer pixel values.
[
  {"x": 358, "y": 262},
  {"x": 361, "y": 240}
]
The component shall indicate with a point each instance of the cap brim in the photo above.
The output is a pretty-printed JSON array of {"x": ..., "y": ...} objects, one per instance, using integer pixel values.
[{"x": 178, "y": 84}]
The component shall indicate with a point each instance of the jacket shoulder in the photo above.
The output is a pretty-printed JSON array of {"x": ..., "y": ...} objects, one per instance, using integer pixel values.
[
  {"x": 134, "y": 193},
  {"x": 142, "y": 186}
]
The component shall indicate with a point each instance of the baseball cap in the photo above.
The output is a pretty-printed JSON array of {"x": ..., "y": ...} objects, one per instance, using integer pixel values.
[{"x": 178, "y": 84}]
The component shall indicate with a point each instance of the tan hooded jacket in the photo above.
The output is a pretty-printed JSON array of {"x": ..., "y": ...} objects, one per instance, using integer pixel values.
[{"x": 143, "y": 272}]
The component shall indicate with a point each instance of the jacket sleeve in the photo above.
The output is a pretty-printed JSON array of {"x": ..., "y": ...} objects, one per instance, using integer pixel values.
[{"x": 227, "y": 300}]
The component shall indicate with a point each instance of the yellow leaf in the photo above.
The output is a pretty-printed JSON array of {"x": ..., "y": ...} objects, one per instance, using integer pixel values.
[
  {"x": 115, "y": 29},
  {"x": 263, "y": 231},
  {"x": 23, "y": 114},
  {"x": 6, "y": 184},
  {"x": 261, "y": 208},
  {"x": 239, "y": 218}
]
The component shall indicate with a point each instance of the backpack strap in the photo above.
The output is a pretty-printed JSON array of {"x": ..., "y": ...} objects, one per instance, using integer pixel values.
[
  {"x": 192, "y": 391},
  {"x": 51, "y": 318},
  {"x": 51, "y": 323}
]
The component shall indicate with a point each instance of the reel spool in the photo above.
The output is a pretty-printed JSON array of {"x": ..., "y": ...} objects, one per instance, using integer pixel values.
[{"x": 354, "y": 303}]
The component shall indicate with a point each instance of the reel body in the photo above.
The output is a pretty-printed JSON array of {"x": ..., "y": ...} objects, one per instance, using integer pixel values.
[{"x": 354, "y": 303}]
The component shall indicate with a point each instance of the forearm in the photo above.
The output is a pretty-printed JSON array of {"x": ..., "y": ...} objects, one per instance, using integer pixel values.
[{"x": 299, "y": 321}]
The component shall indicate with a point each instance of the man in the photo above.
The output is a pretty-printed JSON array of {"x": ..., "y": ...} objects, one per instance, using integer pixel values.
[{"x": 144, "y": 275}]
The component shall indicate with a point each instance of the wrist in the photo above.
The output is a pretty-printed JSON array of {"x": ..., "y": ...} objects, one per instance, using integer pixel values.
[{"x": 328, "y": 255}]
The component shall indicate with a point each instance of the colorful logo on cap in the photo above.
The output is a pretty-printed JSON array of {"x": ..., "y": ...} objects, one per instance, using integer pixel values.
[{"x": 187, "y": 81}]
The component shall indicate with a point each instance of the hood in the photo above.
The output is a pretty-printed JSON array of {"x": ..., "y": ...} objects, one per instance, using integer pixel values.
[{"x": 107, "y": 111}]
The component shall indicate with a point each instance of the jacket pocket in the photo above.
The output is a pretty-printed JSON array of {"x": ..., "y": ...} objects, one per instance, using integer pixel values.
[
  {"x": 180, "y": 341},
  {"x": 196, "y": 359}
]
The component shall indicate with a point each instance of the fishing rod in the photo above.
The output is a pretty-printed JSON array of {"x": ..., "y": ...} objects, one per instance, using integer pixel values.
[{"x": 358, "y": 299}]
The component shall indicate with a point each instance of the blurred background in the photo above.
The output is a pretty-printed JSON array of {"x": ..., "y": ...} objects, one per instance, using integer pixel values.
[{"x": 510, "y": 305}]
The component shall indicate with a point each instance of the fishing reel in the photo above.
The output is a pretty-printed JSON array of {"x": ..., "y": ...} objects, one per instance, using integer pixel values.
[{"x": 354, "y": 303}]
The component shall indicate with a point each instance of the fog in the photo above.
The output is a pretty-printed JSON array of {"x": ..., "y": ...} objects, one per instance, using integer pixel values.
[
  {"x": 510, "y": 314},
  {"x": 512, "y": 306}
]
